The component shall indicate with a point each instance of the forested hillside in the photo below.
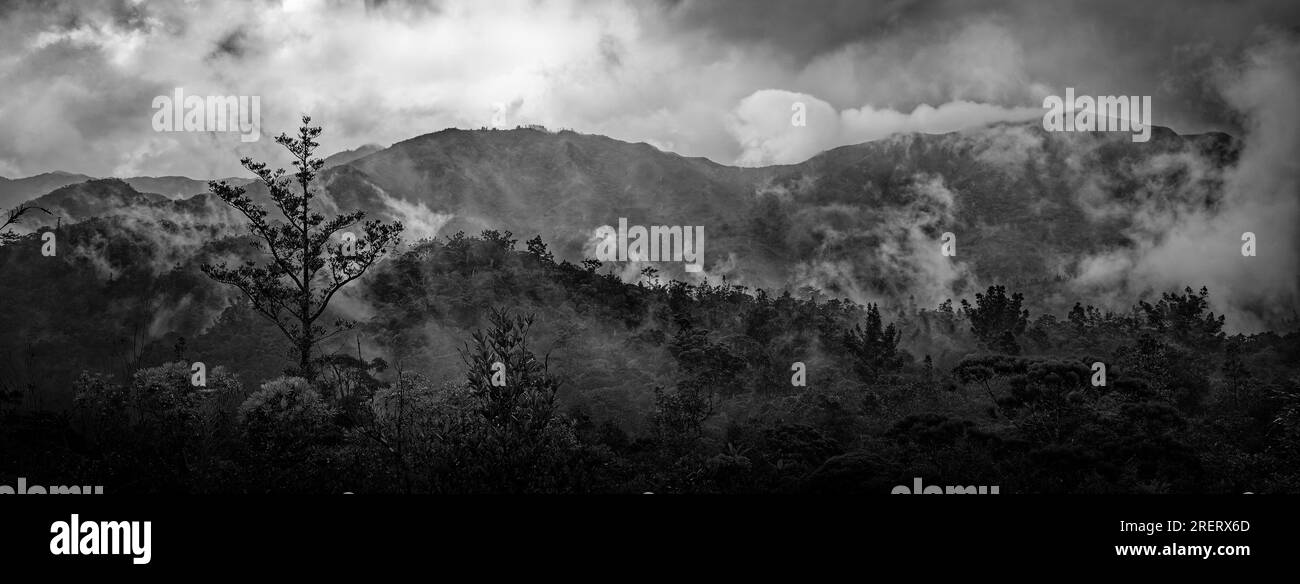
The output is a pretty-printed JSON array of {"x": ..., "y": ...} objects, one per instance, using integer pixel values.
[{"x": 664, "y": 386}]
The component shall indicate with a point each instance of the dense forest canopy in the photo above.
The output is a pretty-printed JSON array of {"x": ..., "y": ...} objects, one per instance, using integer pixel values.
[
  {"x": 658, "y": 385},
  {"x": 173, "y": 343}
]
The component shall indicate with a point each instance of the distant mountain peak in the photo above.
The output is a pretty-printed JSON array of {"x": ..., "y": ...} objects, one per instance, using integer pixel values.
[{"x": 347, "y": 156}]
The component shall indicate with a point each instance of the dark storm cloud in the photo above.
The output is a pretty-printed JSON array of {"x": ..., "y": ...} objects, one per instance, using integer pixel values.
[
  {"x": 801, "y": 30},
  {"x": 232, "y": 45},
  {"x": 1162, "y": 48},
  {"x": 699, "y": 77},
  {"x": 70, "y": 14}
]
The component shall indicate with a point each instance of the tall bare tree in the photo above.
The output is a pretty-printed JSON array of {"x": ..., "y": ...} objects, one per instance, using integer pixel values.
[{"x": 293, "y": 286}]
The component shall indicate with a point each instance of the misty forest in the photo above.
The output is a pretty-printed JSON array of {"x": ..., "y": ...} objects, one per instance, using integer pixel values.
[{"x": 429, "y": 318}]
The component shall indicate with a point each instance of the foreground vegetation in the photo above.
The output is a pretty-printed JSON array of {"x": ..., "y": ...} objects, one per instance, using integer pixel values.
[{"x": 677, "y": 388}]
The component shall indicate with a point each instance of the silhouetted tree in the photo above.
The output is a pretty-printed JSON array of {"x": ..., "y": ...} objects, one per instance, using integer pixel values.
[
  {"x": 997, "y": 319},
  {"x": 515, "y": 391},
  {"x": 292, "y": 289},
  {"x": 1234, "y": 367},
  {"x": 1185, "y": 317},
  {"x": 875, "y": 346}
]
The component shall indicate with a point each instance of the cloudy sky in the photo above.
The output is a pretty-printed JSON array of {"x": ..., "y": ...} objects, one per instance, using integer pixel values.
[{"x": 711, "y": 78}]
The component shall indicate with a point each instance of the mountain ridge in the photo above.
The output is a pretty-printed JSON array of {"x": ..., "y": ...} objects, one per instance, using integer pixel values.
[{"x": 861, "y": 221}]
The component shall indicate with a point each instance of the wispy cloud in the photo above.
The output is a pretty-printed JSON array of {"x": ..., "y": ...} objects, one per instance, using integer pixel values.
[{"x": 686, "y": 76}]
